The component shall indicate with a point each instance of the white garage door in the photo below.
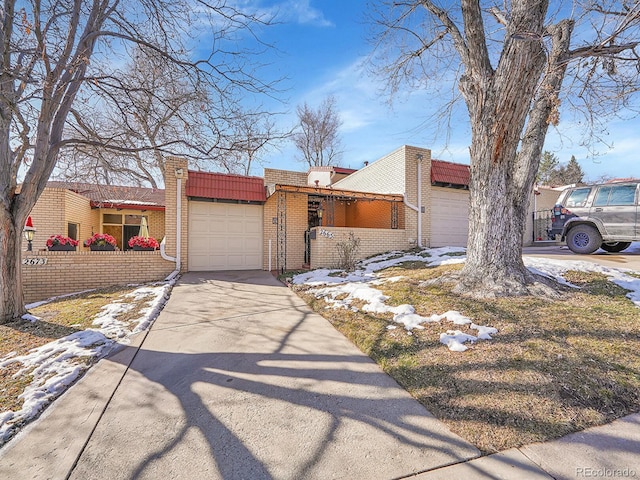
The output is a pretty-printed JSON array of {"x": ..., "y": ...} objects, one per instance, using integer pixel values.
[
  {"x": 449, "y": 217},
  {"x": 225, "y": 236}
]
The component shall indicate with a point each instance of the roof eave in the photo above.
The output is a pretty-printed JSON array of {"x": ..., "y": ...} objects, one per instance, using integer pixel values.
[{"x": 127, "y": 206}]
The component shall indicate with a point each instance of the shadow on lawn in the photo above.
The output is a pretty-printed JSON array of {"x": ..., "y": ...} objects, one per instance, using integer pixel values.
[
  {"x": 537, "y": 380},
  {"x": 41, "y": 328}
]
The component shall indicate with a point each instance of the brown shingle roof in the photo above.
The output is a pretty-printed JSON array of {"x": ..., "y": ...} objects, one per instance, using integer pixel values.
[
  {"x": 449, "y": 173},
  {"x": 106, "y": 195},
  {"x": 225, "y": 187}
]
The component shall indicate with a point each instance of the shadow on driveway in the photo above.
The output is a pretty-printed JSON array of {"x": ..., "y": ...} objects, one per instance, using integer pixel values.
[{"x": 239, "y": 379}]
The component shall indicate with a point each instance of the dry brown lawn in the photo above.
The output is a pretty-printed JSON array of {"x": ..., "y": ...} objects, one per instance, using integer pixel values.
[
  {"x": 58, "y": 319},
  {"x": 555, "y": 367}
]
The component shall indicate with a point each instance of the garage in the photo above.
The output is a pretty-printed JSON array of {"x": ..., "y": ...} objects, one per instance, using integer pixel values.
[
  {"x": 449, "y": 217},
  {"x": 224, "y": 236},
  {"x": 225, "y": 221}
]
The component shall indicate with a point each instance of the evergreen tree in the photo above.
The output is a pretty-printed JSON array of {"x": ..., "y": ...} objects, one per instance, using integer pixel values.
[
  {"x": 573, "y": 172},
  {"x": 548, "y": 164},
  {"x": 552, "y": 173}
]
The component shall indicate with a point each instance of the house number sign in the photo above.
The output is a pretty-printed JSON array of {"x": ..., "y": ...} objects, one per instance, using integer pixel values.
[
  {"x": 34, "y": 261},
  {"x": 326, "y": 233}
]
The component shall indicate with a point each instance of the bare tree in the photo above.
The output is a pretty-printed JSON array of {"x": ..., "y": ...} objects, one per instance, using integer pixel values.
[
  {"x": 317, "y": 137},
  {"x": 155, "y": 110},
  {"x": 510, "y": 61},
  {"x": 54, "y": 53},
  {"x": 251, "y": 134}
]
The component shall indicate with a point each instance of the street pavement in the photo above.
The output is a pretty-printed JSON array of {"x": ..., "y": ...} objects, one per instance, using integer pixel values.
[
  {"x": 625, "y": 259},
  {"x": 239, "y": 379}
]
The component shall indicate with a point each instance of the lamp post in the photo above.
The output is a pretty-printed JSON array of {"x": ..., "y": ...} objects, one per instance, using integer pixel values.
[
  {"x": 28, "y": 232},
  {"x": 319, "y": 212}
]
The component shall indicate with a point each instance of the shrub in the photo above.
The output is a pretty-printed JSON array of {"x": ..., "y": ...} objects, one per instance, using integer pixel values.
[{"x": 348, "y": 252}]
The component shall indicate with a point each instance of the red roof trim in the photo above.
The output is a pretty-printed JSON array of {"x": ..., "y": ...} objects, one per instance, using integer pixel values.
[
  {"x": 450, "y": 173},
  {"x": 225, "y": 187},
  {"x": 347, "y": 171}
]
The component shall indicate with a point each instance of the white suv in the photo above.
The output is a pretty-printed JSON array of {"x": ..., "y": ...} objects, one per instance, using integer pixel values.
[{"x": 598, "y": 216}]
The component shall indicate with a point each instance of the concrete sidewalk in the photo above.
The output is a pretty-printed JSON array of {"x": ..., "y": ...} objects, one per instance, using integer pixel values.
[{"x": 239, "y": 379}]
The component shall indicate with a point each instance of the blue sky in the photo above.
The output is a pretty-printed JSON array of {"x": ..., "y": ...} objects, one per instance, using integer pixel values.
[{"x": 322, "y": 44}]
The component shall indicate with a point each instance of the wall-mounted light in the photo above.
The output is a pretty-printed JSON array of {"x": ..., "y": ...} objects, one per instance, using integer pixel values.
[{"x": 29, "y": 231}]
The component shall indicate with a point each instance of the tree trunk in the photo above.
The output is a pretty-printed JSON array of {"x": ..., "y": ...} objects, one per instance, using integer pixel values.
[
  {"x": 12, "y": 302},
  {"x": 501, "y": 180},
  {"x": 497, "y": 216}
]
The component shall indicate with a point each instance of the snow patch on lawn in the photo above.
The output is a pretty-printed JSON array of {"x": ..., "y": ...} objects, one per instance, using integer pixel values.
[
  {"x": 359, "y": 285},
  {"x": 554, "y": 268},
  {"x": 56, "y": 365},
  {"x": 340, "y": 289}
]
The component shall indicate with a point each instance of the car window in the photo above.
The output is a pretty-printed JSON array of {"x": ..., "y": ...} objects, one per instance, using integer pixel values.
[
  {"x": 615, "y": 195},
  {"x": 578, "y": 197},
  {"x": 602, "y": 197},
  {"x": 623, "y": 195}
]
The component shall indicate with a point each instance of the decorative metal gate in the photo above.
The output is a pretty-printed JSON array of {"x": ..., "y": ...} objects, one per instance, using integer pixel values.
[
  {"x": 394, "y": 215},
  {"x": 330, "y": 215},
  {"x": 542, "y": 225},
  {"x": 281, "y": 238}
]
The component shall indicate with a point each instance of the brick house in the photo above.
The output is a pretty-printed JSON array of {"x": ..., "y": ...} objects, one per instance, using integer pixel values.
[
  {"x": 283, "y": 221},
  {"x": 78, "y": 210},
  {"x": 289, "y": 220}
]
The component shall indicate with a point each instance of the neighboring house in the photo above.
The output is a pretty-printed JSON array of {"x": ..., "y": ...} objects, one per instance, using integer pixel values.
[
  {"x": 439, "y": 190},
  {"x": 79, "y": 210}
]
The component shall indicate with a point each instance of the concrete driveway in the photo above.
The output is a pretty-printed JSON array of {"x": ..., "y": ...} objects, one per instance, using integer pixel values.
[
  {"x": 237, "y": 379},
  {"x": 627, "y": 259}
]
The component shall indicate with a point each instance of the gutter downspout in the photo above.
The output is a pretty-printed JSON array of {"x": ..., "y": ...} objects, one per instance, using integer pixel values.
[
  {"x": 417, "y": 209},
  {"x": 163, "y": 254}
]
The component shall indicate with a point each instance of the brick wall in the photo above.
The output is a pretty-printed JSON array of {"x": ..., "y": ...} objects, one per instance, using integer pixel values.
[
  {"x": 284, "y": 177},
  {"x": 297, "y": 222},
  {"x": 77, "y": 209},
  {"x": 410, "y": 155},
  {"x": 69, "y": 272},
  {"x": 171, "y": 210},
  {"x": 49, "y": 217},
  {"x": 372, "y": 241}
]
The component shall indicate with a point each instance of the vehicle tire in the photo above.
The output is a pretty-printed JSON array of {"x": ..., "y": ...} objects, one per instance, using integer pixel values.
[
  {"x": 614, "y": 247},
  {"x": 583, "y": 239}
]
